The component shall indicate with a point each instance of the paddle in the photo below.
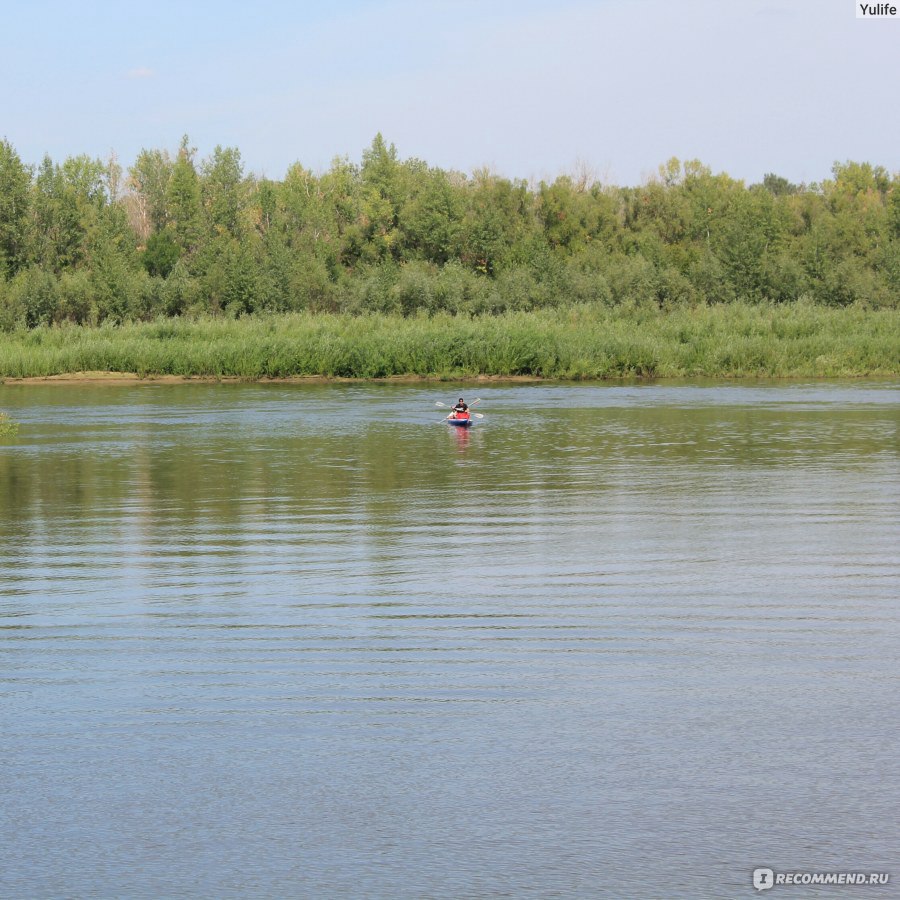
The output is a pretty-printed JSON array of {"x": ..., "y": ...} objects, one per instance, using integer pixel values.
[
  {"x": 445, "y": 406},
  {"x": 476, "y": 415}
]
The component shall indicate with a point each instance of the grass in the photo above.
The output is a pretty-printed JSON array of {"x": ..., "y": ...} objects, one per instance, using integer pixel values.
[{"x": 585, "y": 342}]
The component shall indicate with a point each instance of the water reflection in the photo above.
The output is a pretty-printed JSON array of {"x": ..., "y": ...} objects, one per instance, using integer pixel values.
[{"x": 462, "y": 437}]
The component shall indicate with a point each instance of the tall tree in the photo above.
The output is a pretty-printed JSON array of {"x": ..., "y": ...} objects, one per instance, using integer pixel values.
[
  {"x": 58, "y": 234},
  {"x": 15, "y": 182},
  {"x": 381, "y": 198},
  {"x": 777, "y": 185},
  {"x": 223, "y": 190},
  {"x": 148, "y": 181},
  {"x": 431, "y": 219},
  {"x": 498, "y": 222},
  {"x": 183, "y": 199}
]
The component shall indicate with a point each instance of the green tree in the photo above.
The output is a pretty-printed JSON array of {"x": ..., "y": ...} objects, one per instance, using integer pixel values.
[
  {"x": 161, "y": 254},
  {"x": 574, "y": 214},
  {"x": 147, "y": 200},
  {"x": 778, "y": 186},
  {"x": 33, "y": 292},
  {"x": 116, "y": 277},
  {"x": 15, "y": 183},
  {"x": 58, "y": 230},
  {"x": 382, "y": 193},
  {"x": 857, "y": 178},
  {"x": 309, "y": 216},
  {"x": 67, "y": 200},
  {"x": 223, "y": 190},
  {"x": 241, "y": 292},
  {"x": 893, "y": 209},
  {"x": 431, "y": 219},
  {"x": 749, "y": 232},
  {"x": 183, "y": 200},
  {"x": 498, "y": 223}
]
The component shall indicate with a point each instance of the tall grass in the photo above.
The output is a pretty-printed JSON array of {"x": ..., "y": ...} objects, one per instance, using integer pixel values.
[{"x": 583, "y": 342}]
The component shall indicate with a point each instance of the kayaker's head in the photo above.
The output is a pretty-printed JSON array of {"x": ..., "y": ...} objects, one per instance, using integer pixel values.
[{"x": 461, "y": 400}]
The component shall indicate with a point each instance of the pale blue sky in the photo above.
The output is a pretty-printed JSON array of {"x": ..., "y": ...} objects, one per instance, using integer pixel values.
[{"x": 529, "y": 88}]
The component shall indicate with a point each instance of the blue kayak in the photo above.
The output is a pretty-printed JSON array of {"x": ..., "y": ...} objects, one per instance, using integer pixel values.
[{"x": 461, "y": 423}]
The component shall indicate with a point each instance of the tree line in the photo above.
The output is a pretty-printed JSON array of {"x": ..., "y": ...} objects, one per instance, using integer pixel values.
[{"x": 86, "y": 241}]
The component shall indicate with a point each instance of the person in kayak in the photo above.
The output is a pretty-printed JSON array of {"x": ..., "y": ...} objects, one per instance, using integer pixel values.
[{"x": 461, "y": 410}]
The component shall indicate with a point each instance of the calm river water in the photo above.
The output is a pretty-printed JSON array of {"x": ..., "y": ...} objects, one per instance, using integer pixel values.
[{"x": 305, "y": 640}]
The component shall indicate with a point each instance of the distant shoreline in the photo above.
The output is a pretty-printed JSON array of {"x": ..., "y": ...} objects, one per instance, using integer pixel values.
[{"x": 125, "y": 379}]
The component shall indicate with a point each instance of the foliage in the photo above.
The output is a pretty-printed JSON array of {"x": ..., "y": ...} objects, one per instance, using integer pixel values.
[
  {"x": 15, "y": 180},
  {"x": 7, "y": 426},
  {"x": 578, "y": 342},
  {"x": 186, "y": 237},
  {"x": 161, "y": 253}
]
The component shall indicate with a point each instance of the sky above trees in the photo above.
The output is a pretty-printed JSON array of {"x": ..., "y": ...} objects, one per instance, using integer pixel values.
[{"x": 530, "y": 88}]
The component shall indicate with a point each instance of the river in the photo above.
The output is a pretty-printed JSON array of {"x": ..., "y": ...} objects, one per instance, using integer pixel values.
[{"x": 306, "y": 640}]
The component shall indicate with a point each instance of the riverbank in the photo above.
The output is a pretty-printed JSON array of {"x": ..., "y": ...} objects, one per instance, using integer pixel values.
[
  {"x": 123, "y": 378},
  {"x": 586, "y": 342}
]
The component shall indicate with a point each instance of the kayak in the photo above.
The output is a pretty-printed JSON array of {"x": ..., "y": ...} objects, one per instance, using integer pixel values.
[{"x": 461, "y": 422}]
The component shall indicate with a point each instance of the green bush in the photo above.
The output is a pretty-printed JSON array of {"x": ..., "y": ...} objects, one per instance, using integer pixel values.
[
  {"x": 161, "y": 254},
  {"x": 33, "y": 293}
]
